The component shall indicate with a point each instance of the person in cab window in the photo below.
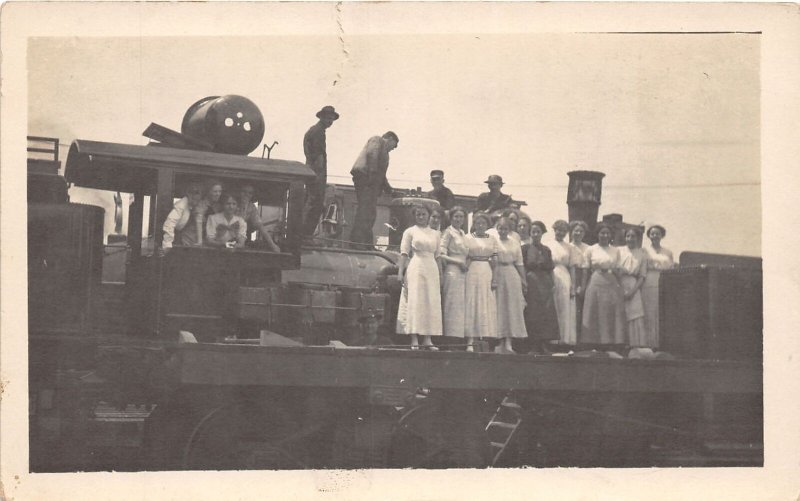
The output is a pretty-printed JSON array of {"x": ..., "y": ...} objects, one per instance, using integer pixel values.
[
  {"x": 226, "y": 229},
  {"x": 250, "y": 213},
  {"x": 177, "y": 230}
]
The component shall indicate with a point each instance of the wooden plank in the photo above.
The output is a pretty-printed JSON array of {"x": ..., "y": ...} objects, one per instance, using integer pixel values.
[{"x": 222, "y": 365}]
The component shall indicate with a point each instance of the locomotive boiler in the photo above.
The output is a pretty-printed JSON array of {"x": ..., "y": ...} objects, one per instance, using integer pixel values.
[{"x": 201, "y": 358}]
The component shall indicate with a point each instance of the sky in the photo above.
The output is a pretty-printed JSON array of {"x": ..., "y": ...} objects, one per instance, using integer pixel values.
[{"x": 672, "y": 120}]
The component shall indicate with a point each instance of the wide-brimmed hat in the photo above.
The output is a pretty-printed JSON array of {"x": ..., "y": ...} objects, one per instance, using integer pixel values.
[
  {"x": 494, "y": 178},
  {"x": 328, "y": 112}
]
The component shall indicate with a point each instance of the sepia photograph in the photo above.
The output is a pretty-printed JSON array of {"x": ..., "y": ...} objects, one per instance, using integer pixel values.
[{"x": 370, "y": 238}]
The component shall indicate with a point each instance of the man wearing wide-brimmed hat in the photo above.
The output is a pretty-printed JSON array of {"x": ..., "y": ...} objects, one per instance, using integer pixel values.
[
  {"x": 316, "y": 158},
  {"x": 494, "y": 200}
]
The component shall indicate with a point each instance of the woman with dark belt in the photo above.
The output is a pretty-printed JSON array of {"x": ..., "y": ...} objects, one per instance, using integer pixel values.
[
  {"x": 658, "y": 260},
  {"x": 603, "y": 310},
  {"x": 540, "y": 313},
  {"x": 511, "y": 287},
  {"x": 479, "y": 305},
  {"x": 453, "y": 256},
  {"x": 633, "y": 269}
]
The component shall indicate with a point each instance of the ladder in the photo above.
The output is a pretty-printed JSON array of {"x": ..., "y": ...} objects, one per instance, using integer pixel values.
[{"x": 502, "y": 426}]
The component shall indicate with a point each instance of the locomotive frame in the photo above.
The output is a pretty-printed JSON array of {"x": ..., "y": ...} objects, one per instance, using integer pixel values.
[{"x": 133, "y": 395}]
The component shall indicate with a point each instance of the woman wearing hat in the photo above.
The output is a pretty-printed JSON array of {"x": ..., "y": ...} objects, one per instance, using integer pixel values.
[
  {"x": 603, "y": 311},
  {"x": 578, "y": 230},
  {"x": 540, "y": 314},
  {"x": 453, "y": 256},
  {"x": 420, "y": 277},
  {"x": 479, "y": 300},
  {"x": 658, "y": 259},
  {"x": 563, "y": 277}
]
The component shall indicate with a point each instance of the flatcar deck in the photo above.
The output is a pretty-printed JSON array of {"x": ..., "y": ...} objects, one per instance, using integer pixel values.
[{"x": 237, "y": 365}]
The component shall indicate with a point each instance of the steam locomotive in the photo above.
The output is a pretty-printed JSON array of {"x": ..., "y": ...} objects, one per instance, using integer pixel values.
[{"x": 290, "y": 361}]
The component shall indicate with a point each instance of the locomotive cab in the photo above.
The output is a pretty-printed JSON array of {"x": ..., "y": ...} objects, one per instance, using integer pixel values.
[{"x": 191, "y": 288}]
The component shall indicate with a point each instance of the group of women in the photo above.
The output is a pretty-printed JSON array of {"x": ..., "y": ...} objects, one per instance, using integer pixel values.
[
  {"x": 209, "y": 215},
  {"x": 499, "y": 281}
]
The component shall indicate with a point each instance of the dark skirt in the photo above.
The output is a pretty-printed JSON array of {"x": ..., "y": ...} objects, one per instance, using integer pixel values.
[{"x": 540, "y": 313}]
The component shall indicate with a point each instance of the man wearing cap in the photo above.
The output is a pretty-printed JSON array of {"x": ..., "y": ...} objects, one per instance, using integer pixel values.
[
  {"x": 369, "y": 179},
  {"x": 494, "y": 200},
  {"x": 440, "y": 192},
  {"x": 316, "y": 158}
]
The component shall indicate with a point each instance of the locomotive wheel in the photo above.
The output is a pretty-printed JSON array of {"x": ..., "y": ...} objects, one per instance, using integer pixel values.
[
  {"x": 244, "y": 436},
  {"x": 440, "y": 435}
]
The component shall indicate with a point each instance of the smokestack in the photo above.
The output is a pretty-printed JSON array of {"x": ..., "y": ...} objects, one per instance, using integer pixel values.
[{"x": 583, "y": 198}]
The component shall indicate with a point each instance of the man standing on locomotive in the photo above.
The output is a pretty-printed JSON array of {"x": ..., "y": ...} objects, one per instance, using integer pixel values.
[
  {"x": 317, "y": 158},
  {"x": 494, "y": 200},
  {"x": 441, "y": 192},
  {"x": 369, "y": 179},
  {"x": 443, "y": 195}
]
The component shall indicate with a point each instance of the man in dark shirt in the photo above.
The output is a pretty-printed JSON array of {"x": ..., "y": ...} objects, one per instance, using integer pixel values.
[
  {"x": 440, "y": 192},
  {"x": 494, "y": 200},
  {"x": 316, "y": 158},
  {"x": 369, "y": 179}
]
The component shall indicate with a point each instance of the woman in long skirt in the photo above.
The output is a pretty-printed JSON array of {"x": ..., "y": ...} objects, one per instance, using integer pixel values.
[
  {"x": 420, "y": 277},
  {"x": 479, "y": 303},
  {"x": 453, "y": 256},
  {"x": 563, "y": 278},
  {"x": 540, "y": 313},
  {"x": 633, "y": 269},
  {"x": 604, "y": 323},
  {"x": 578, "y": 230},
  {"x": 511, "y": 287},
  {"x": 659, "y": 259}
]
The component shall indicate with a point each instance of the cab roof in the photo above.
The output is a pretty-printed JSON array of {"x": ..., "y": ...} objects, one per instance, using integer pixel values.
[{"x": 135, "y": 168}]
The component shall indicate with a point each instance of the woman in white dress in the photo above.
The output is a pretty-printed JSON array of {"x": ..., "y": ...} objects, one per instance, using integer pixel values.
[
  {"x": 453, "y": 256},
  {"x": 578, "y": 230},
  {"x": 563, "y": 277},
  {"x": 480, "y": 307},
  {"x": 420, "y": 277},
  {"x": 633, "y": 269},
  {"x": 658, "y": 259},
  {"x": 604, "y": 323},
  {"x": 511, "y": 287}
]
